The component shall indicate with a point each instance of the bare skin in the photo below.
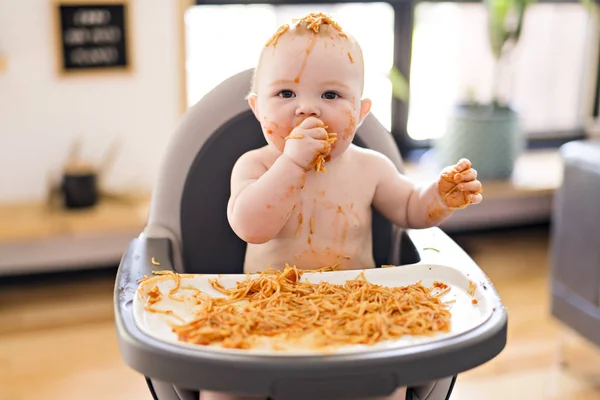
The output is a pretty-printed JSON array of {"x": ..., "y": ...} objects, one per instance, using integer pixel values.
[{"x": 308, "y": 85}]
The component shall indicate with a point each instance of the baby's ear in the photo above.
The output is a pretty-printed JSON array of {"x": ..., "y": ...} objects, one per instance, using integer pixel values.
[
  {"x": 252, "y": 103},
  {"x": 365, "y": 108}
]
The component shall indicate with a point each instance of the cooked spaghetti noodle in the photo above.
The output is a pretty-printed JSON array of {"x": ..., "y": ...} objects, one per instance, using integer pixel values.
[
  {"x": 320, "y": 164},
  {"x": 279, "y": 305}
]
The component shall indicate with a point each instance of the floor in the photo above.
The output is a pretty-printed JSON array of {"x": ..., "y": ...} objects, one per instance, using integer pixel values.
[{"x": 58, "y": 340}]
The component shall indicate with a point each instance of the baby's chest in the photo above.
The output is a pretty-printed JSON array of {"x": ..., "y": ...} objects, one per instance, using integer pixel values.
[{"x": 330, "y": 213}]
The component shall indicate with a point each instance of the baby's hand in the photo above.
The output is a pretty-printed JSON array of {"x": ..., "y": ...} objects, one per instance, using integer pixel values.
[
  {"x": 307, "y": 142},
  {"x": 458, "y": 185}
]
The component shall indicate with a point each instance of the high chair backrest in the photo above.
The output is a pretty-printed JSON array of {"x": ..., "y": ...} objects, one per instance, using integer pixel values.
[{"x": 189, "y": 202}]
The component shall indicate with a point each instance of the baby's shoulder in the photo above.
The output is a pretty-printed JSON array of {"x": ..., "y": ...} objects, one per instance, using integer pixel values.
[
  {"x": 262, "y": 156},
  {"x": 369, "y": 158}
]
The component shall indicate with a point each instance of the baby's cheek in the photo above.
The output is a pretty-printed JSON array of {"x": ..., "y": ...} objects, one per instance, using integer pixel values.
[
  {"x": 281, "y": 133},
  {"x": 343, "y": 123},
  {"x": 269, "y": 127},
  {"x": 344, "y": 126},
  {"x": 350, "y": 124},
  {"x": 275, "y": 133}
]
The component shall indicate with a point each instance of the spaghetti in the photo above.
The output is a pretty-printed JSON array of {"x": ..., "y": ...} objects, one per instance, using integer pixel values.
[
  {"x": 320, "y": 165},
  {"x": 314, "y": 21},
  {"x": 279, "y": 305}
]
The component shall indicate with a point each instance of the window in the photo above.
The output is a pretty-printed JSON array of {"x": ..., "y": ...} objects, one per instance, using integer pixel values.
[
  {"x": 214, "y": 52},
  {"x": 551, "y": 80}
]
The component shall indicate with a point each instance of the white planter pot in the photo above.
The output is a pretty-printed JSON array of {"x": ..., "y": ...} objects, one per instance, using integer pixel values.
[{"x": 490, "y": 138}]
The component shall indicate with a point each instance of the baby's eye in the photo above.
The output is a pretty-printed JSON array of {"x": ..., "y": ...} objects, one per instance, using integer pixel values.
[
  {"x": 286, "y": 94},
  {"x": 330, "y": 95}
]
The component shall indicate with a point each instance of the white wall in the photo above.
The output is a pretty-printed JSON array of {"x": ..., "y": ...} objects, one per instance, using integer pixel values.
[{"x": 41, "y": 113}]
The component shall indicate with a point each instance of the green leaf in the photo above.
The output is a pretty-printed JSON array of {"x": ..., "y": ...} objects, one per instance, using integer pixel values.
[
  {"x": 497, "y": 12},
  {"x": 519, "y": 6},
  {"x": 592, "y": 8},
  {"x": 400, "y": 88}
]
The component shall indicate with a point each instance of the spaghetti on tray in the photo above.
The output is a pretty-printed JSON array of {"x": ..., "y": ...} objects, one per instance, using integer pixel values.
[{"x": 279, "y": 305}]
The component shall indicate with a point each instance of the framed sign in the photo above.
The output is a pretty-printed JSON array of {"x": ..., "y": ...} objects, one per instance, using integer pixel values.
[{"x": 93, "y": 36}]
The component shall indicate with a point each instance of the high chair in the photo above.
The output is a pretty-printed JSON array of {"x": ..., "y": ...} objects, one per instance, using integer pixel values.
[{"x": 188, "y": 231}]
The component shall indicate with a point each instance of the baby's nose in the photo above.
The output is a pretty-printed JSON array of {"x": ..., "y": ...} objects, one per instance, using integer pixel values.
[{"x": 308, "y": 109}]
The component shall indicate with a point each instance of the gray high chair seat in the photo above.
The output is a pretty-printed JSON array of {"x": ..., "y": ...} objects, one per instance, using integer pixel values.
[{"x": 188, "y": 231}]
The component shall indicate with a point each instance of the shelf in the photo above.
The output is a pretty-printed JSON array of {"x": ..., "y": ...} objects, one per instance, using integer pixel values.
[
  {"x": 36, "y": 238},
  {"x": 32, "y": 222}
]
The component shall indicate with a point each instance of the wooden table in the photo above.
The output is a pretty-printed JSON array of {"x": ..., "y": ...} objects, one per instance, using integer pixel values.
[{"x": 35, "y": 237}]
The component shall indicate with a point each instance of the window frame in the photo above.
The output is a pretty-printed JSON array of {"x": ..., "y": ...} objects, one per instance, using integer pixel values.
[{"x": 403, "y": 35}]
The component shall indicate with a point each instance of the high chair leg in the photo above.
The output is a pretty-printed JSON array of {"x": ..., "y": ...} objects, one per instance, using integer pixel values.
[{"x": 151, "y": 388}]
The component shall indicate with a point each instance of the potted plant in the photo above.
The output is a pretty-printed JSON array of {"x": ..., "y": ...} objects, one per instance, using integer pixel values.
[{"x": 489, "y": 134}]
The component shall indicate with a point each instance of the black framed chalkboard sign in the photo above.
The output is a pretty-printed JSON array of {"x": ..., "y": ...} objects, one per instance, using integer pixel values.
[{"x": 93, "y": 36}]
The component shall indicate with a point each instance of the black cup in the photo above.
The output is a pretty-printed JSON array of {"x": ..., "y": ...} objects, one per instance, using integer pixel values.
[{"x": 80, "y": 190}]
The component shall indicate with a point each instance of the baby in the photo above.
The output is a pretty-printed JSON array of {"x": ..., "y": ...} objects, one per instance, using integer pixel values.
[{"x": 289, "y": 206}]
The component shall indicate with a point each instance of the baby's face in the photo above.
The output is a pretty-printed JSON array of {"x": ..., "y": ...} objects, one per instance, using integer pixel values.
[{"x": 310, "y": 75}]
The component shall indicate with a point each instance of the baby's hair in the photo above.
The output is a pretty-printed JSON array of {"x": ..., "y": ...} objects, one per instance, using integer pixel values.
[
  {"x": 315, "y": 23},
  {"x": 312, "y": 22}
]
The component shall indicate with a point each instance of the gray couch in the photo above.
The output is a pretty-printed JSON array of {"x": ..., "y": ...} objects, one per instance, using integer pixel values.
[{"x": 575, "y": 241}]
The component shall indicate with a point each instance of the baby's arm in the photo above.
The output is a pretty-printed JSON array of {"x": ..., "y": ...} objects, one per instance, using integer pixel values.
[
  {"x": 262, "y": 200},
  {"x": 422, "y": 206}
]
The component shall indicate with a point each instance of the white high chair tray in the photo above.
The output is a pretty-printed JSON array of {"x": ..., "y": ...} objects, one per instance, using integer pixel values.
[{"x": 471, "y": 305}]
